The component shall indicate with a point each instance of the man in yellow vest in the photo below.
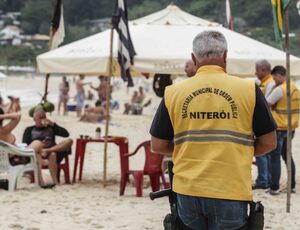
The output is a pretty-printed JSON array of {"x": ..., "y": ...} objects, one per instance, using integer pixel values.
[
  {"x": 266, "y": 83},
  {"x": 208, "y": 123},
  {"x": 278, "y": 102},
  {"x": 263, "y": 73}
]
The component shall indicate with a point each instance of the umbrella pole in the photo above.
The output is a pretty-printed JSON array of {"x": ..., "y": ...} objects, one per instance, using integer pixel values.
[
  {"x": 44, "y": 98},
  {"x": 108, "y": 106},
  {"x": 289, "y": 131}
]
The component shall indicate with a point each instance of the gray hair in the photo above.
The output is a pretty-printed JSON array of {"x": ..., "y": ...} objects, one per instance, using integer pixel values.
[
  {"x": 209, "y": 44},
  {"x": 264, "y": 64},
  {"x": 39, "y": 109}
]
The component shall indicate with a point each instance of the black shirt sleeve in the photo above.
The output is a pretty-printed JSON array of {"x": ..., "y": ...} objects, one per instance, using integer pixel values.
[
  {"x": 60, "y": 131},
  {"x": 161, "y": 125},
  {"x": 263, "y": 121},
  {"x": 27, "y": 136}
]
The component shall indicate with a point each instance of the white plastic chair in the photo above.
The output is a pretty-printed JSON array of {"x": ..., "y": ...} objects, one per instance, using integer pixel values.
[{"x": 14, "y": 171}]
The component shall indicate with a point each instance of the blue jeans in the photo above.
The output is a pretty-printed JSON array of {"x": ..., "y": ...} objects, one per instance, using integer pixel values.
[
  {"x": 263, "y": 170},
  {"x": 213, "y": 214},
  {"x": 275, "y": 160}
]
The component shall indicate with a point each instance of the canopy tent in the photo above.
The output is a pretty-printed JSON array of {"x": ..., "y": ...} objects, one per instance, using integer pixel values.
[
  {"x": 172, "y": 15},
  {"x": 163, "y": 42}
]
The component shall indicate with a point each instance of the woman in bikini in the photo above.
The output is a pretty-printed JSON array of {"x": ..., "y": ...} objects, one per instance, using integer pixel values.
[{"x": 63, "y": 95}]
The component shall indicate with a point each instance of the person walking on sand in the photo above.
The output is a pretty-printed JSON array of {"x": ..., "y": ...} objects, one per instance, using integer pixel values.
[
  {"x": 63, "y": 95},
  {"x": 208, "y": 126},
  {"x": 277, "y": 100},
  {"x": 80, "y": 94}
]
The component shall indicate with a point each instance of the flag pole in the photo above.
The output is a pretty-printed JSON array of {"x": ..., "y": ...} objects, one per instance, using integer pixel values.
[
  {"x": 108, "y": 105},
  {"x": 288, "y": 90},
  {"x": 44, "y": 98}
]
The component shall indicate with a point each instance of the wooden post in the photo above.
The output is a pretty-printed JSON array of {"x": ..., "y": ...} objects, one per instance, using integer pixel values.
[
  {"x": 108, "y": 105},
  {"x": 288, "y": 91}
]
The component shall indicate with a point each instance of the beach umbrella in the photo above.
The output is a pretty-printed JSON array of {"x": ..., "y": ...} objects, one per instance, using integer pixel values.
[{"x": 163, "y": 42}]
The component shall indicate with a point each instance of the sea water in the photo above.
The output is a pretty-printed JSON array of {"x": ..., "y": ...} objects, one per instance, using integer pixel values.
[{"x": 28, "y": 97}]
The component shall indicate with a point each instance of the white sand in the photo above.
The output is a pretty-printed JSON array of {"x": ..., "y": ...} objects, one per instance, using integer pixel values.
[{"x": 88, "y": 205}]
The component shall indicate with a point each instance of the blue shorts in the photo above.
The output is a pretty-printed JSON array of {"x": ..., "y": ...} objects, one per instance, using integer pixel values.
[{"x": 80, "y": 100}]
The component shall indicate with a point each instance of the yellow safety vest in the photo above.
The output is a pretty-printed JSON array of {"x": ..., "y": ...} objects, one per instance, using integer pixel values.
[
  {"x": 265, "y": 82},
  {"x": 280, "y": 111},
  {"x": 212, "y": 115}
]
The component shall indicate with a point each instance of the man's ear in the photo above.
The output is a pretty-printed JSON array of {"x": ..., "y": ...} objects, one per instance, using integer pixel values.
[
  {"x": 194, "y": 59},
  {"x": 225, "y": 56}
]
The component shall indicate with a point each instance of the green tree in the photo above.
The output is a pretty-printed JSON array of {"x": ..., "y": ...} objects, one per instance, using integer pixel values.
[
  {"x": 252, "y": 18},
  {"x": 77, "y": 10},
  {"x": 16, "y": 55},
  {"x": 11, "y": 5},
  {"x": 74, "y": 33},
  {"x": 35, "y": 14}
]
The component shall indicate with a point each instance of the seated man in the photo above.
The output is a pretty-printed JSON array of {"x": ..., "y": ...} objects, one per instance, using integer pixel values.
[
  {"x": 134, "y": 100},
  {"x": 52, "y": 153},
  {"x": 94, "y": 114},
  {"x": 137, "y": 102}
]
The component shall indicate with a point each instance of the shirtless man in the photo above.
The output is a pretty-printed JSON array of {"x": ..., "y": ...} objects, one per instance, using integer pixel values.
[
  {"x": 94, "y": 114},
  {"x": 102, "y": 88}
]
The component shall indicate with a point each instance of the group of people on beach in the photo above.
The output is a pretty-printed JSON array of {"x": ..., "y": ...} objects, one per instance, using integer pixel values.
[
  {"x": 137, "y": 102},
  {"x": 90, "y": 114},
  {"x": 98, "y": 112}
]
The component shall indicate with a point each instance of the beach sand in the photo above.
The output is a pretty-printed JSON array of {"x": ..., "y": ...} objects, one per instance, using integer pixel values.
[{"x": 90, "y": 205}]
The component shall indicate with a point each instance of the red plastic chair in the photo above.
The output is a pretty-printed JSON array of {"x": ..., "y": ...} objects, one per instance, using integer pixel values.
[
  {"x": 61, "y": 166},
  {"x": 65, "y": 167},
  {"x": 152, "y": 168}
]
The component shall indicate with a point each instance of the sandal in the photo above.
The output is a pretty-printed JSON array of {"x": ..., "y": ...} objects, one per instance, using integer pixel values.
[{"x": 48, "y": 186}]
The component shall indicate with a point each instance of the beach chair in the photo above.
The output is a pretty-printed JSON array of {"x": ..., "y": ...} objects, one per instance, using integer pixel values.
[
  {"x": 62, "y": 165},
  {"x": 152, "y": 168},
  {"x": 14, "y": 171},
  {"x": 65, "y": 167}
]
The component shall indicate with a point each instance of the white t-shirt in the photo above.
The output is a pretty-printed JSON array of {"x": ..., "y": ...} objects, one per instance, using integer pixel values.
[
  {"x": 269, "y": 88},
  {"x": 275, "y": 96}
]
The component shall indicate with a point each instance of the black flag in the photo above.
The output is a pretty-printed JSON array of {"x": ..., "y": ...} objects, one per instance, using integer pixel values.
[{"x": 126, "y": 50}]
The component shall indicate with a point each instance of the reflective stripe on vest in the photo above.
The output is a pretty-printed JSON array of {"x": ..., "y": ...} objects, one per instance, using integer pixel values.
[
  {"x": 283, "y": 111},
  {"x": 214, "y": 135},
  {"x": 280, "y": 111}
]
